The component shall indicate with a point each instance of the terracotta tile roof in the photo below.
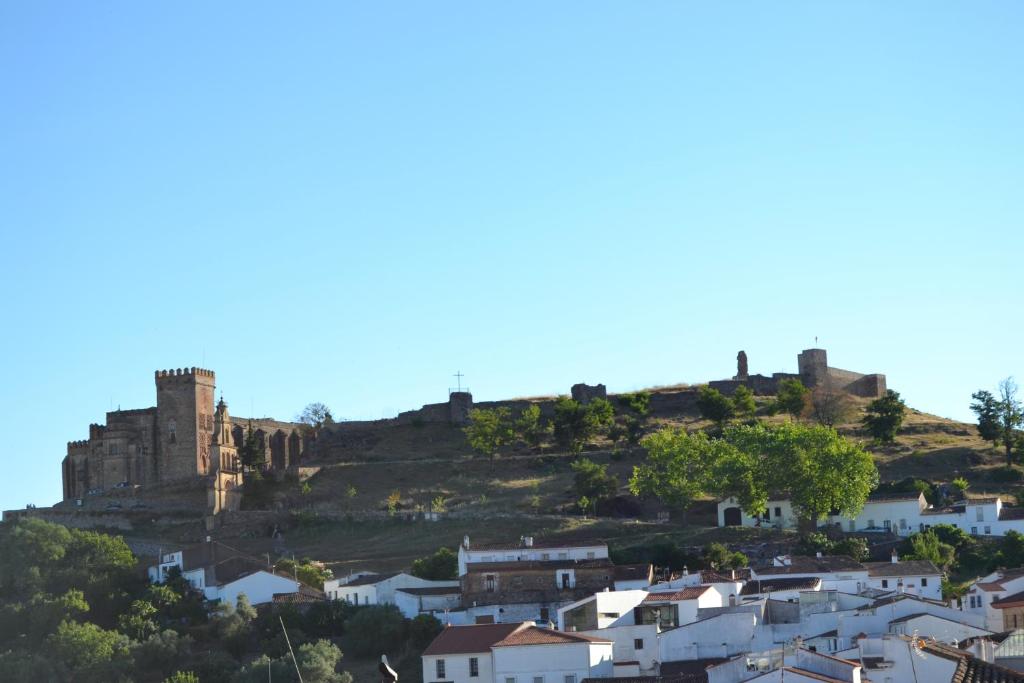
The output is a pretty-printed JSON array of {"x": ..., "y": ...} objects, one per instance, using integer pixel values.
[
  {"x": 990, "y": 586},
  {"x": 535, "y": 635},
  {"x": 903, "y": 568},
  {"x": 1008, "y": 512},
  {"x": 725, "y": 576},
  {"x": 885, "y": 496},
  {"x": 305, "y": 595},
  {"x": 969, "y": 668},
  {"x": 758, "y": 587},
  {"x": 689, "y": 593},
  {"x": 456, "y": 640},
  {"x": 1015, "y": 600}
]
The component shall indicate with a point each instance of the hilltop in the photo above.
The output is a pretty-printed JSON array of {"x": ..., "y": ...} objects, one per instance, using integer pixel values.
[{"x": 334, "y": 507}]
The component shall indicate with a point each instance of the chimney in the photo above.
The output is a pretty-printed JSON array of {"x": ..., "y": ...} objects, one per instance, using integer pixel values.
[
  {"x": 686, "y": 571},
  {"x": 528, "y": 541},
  {"x": 895, "y": 557},
  {"x": 818, "y": 554},
  {"x": 733, "y": 574},
  {"x": 465, "y": 542}
]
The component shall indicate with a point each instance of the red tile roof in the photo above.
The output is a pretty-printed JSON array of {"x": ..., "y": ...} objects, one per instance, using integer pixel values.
[
  {"x": 690, "y": 593},
  {"x": 535, "y": 635},
  {"x": 455, "y": 640}
]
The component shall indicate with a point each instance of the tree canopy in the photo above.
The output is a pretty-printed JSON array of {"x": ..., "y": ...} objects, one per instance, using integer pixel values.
[
  {"x": 884, "y": 416},
  {"x": 1000, "y": 418}
]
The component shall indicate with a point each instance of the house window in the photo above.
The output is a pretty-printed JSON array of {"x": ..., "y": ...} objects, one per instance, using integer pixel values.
[
  {"x": 544, "y": 614},
  {"x": 778, "y": 512},
  {"x": 570, "y": 678},
  {"x": 988, "y": 530},
  {"x": 903, "y": 524},
  {"x": 871, "y": 524},
  {"x": 538, "y": 679},
  {"x": 565, "y": 581},
  {"x": 974, "y": 531},
  {"x": 439, "y": 664},
  {"x": 924, "y": 582},
  {"x": 489, "y": 582},
  {"x": 474, "y": 667},
  {"x": 638, "y": 643},
  {"x": 545, "y": 556},
  {"x": 887, "y": 524},
  {"x": 590, "y": 554},
  {"x": 885, "y": 583},
  {"x": 563, "y": 556},
  {"x": 510, "y": 679},
  {"x": 980, "y": 514}
]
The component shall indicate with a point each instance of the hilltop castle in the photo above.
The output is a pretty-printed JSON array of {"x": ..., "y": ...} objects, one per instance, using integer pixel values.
[{"x": 183, "y": 437}]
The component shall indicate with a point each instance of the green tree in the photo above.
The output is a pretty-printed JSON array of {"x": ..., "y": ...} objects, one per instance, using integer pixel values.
[
  {"x": 884, "y": 416},
  {"x": 960, "y": 485},
  {"x": 718, "y": 557},
  {"x": 529, "y": 428},
  {"x": 714, "y": 405},
  {"x": 318, "y": 663},
  {"x": 374, "y": 630},
  {"x": 637, "y": 403},
  {"x": 139, "y": 622},
  {"x": 818, "y": 469},
  {"x": 679, "y": 466},
  {"x": 253, "y": 451},
  {"x": 305, "y": 570},
  {"x": 927, "y": 546},
  {"x": 442, "y": 565},
  {"x": 423, "y": 628},
  {"x": 489, "y": 430},
  {"x": 89, "y": 650},
  {"x": 576, "y": 423},
  {"x": 162, "y": 652},
  {"x": 791, "y": 397},
  {"x": 314, "y": 418},
  {"x": 593, "y": 481},
  {"x": 1000, "y": 418},
  {"x": 743, "y": 401}
]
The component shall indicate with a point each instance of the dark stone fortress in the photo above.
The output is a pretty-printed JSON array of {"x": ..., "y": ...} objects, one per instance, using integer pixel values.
[
  {"x": 170, "y": 442},
  {"x": 812, "y": 370}
]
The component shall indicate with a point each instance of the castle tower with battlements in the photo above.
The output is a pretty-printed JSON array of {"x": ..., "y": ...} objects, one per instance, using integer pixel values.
[
  {"x": 176, "y": 440},
  {"x": 227, "y": 471}
]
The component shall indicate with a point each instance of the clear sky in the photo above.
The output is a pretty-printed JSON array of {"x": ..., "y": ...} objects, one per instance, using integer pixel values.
[{"x": 349, "y": 202}]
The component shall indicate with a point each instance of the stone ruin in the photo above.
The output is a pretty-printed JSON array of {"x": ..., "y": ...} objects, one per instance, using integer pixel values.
[{"x": 812, "y": 370}]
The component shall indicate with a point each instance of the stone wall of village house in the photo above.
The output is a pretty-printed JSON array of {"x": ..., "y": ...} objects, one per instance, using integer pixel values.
[{"x": 533, "y": 585}]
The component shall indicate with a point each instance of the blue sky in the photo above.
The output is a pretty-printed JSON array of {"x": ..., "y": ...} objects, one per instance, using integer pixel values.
[{"x": 349, "y": 202}]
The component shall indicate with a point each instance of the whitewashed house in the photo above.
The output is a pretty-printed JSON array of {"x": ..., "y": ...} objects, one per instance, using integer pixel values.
[
  {"x": 916, "y": 577},
  {"x": 462, "y": 654},
  {"x": 801, "y": 666},
  {"x": 531, "y": 654},
  {"x": 528, "y": 550},
  {"x": 601, "y": 610},
  {"x": 434, "y": 600},
  {"x": 222, "y": 574},
  {"x": 633, "y": 576},
  {"x": 633, "y": 647},
  {"x": 378, "y": 589},
  {"x": 988, "y": 589},
  {"x": 778, "y": 514},
  {"x": 942, "y": 629},
  {"x": 678, "y": 607},
  {"x": 837, "y": 572}
]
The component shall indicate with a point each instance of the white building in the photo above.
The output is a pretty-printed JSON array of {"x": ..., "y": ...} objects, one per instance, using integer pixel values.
[
  {"x": 837, "y": 572},
  {"x": 983, "y": 592},
  {"x": 601, "y": 610},
  {"x": 462, "y": 654},
  {"x": 532, "y": 654},
  {"x": 515, "y": 653},
  {"x": 678, "y": 607},
  {"x": 778, "y": 514},
  {"x": 916, "y": 577},
  {"x": 899, "y": 513},
  {"x": 528, "y": 550},
  {"x": 801, "y": 666},
  {"x": 378, "y": 589},
  {"x": 222, "y": 575},
  {"x": 432, "y": 600}
]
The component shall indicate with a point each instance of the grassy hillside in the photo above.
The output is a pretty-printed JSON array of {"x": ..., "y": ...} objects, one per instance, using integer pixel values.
[{"x": 340, "y": 513}]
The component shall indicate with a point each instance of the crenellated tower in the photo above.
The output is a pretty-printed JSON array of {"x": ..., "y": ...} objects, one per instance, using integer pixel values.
[{"x": 184, "y": 401}]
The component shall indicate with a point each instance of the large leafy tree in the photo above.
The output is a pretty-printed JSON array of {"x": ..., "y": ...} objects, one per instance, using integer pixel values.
[
  {"x": 884, "y": 416},
  {"x": 1000, "y": 418},
  {"x": 680, "y": 466},
  {"x": 743, "y": 401},
  {"x": 489, "y": 430},
  {"x": 815, "y": 467},
  {"x": 714, "y": 405},
  {"x": 530, "y": 428},
  {"x": 577, "y": 423},
  {"x": 443, "y": 565},
  {"x": 315, "y": 417},
  {"x": 593, "y": 480},
  {"x": 791, "y": 397}
]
